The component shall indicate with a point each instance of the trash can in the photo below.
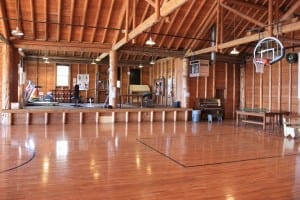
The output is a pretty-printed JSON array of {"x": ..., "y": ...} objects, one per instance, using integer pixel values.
[
  {"x": 196, "y": 115},
  {"x": 209, "y": 118}
]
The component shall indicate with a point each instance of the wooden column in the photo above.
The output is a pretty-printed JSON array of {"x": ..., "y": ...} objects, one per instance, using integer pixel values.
[
  {"x": 185, "y": 88},
  {"x": 6, "y": 66},
  {"x": 96, "y": 100},
  {"x": 112, "y": 78}
]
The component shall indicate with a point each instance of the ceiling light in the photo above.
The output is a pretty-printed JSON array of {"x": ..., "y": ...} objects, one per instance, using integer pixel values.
[
  {"x": 93, "y": 62},
  {"x": 152, "y": 61},
  {"x": 150, "y": 42},
  {"x": 141, "y": 66},
  {"x": 47, "y": 61},
  {"x": 17, "y": 32},
  {"x": 234, "y": 51},
  {"x": 98, "y": 59}
]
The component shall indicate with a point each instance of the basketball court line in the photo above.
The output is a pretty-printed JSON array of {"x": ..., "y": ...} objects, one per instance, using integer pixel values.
[
  {"x": 187, "y": 165},
  {"x": 18, "y": 165}
]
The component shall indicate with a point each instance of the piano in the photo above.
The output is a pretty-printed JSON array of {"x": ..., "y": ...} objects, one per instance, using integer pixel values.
[{"x": 211, "y": 106}]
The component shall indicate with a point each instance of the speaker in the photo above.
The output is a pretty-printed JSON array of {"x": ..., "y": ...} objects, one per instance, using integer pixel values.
[{"x": 291, "y": 57}]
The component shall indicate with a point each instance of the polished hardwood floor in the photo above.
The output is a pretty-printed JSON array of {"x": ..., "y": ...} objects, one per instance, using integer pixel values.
[{"x": 182, "y": 160}]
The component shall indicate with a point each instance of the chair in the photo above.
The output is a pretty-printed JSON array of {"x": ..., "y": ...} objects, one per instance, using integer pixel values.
[{"x": 289, "y": 129}]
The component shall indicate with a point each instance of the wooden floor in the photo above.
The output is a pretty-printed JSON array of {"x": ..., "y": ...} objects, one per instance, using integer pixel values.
[{"x": 181, "y": 160}]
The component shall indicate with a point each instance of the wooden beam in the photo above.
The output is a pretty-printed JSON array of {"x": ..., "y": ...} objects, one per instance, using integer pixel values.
[
  {"x": 151, "y": 3},
  {"x": 168, "y": 8},
  {"x": 247, "y": 4},
  {"x": 83, "y": 19},
  {"x": 165, "y": 10},
  {"x": 58, "y": 19},
  {"x": 181, "y": 22},
  {"x": 46, "y": 19},
  {"x": 290, "y": 12},
  {"x": 3, "y": 14},
  {"x": 108, "y": 20},
  {"x": 96, "y": 21},
  {"x": 127, "y": 19},
  {"x": 148, "y": 51},
  {"x": 254, "y": 21},
  {"x": 190, "y": 22},
  {"x": 270, "y": 17},
  {"x": 71, "y": 19},
  {"x": 157, "y": 10},
  {"x": 62, "y": 46},
  {"x": 32, "y": 19},
  {"x": 247, "y": 39}
]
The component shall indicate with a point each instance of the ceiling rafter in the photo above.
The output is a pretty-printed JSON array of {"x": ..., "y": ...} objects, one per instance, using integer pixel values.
[
  {"x": 108, "y": 20},
  {"x": 182, "y": 22},
  {"x": 248, "y": 39},
  {"x": 161, "y": 42},
  {"x": 143, "y": 19},
  {"x": 168, "y": 8},
  {"x": 290, "y": 12},
  {"x": 122, "y": 14},
  {"x": 58, "y": 19},
  {"x": 149, "y": 51},
  {"x": 3, "y": 14},
  {"x": 151, "y": 2},
  {"x": 242, "y": 15},
  {"x": 204, "y": 25},
  {"x": 32, "y": 6},
  {"x": 247, "y": 4},
  {"x": 62, "y": 46},
  {"x": 71, "y": 19},
  {"x": 46, "y": 19},
  {"x": 188, "y": 27},
  {"x": 86, "y": 2},
  {"x": 96, "y": 20}
]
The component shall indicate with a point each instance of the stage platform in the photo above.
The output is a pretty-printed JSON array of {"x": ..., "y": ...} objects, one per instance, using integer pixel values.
[{"x": 91, "y": 113}]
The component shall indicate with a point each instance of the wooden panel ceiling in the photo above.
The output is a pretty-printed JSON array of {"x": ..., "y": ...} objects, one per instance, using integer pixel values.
[{"x": 87, "y": 29}]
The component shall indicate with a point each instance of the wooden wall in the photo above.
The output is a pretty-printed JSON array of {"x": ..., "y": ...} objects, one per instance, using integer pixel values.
[
  {"x": 44, "y": 75},
  {"x": 275, "y": 89},
  {"x": 223, "y": 82}
]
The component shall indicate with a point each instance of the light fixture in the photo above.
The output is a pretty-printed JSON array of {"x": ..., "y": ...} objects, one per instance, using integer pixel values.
[
  {"x": 98, "y": 59},
  {"x": 46, "y": 61},
  {"x": 234, "y": 51},
  {"x": 17, "y": 32},
  {"x": 93, "y": 62},
  {"x": 150, "y": 42},
  {"x": 140, "y": 65},
  {"x": 152, "y": 61}
]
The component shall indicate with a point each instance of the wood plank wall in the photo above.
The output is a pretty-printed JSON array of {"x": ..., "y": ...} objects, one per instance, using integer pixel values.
[{"x": 275, "y": 89}]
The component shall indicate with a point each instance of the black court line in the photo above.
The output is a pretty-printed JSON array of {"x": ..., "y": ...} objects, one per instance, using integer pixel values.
[
  {"x": 21, "y": 164},
  {"x": 214, "y": 163}
]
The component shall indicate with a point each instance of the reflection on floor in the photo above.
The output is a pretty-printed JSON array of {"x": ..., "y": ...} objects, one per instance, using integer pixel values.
[{"x": 107, "y": 161}]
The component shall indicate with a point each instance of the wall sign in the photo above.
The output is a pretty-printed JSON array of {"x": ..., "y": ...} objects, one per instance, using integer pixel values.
[{"x": 83, "y": 81}]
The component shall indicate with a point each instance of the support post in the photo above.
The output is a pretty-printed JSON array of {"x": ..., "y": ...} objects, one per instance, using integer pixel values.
[{"x": 112, "y": 78}]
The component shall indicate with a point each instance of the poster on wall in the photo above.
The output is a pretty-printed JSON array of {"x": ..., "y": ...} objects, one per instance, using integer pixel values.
[
  {"x": 159, "y": 87},
  {"x": 83, "y": 81}
]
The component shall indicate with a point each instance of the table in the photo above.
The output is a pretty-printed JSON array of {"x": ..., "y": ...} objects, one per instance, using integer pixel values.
[{"x": 272, "y": 115}]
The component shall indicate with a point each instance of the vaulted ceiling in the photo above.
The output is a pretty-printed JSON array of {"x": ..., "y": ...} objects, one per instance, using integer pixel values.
[{"x": 83, "y": 30}]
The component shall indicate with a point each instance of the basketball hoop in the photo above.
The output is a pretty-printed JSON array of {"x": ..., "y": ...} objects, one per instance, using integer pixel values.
[{"x": 260, "y": 64}]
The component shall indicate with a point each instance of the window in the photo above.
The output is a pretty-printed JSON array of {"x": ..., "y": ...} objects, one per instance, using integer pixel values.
[{"x": 62, "y": 75}]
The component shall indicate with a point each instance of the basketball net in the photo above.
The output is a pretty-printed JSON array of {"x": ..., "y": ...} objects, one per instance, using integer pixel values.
[{"x": 260, "y": 64}]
